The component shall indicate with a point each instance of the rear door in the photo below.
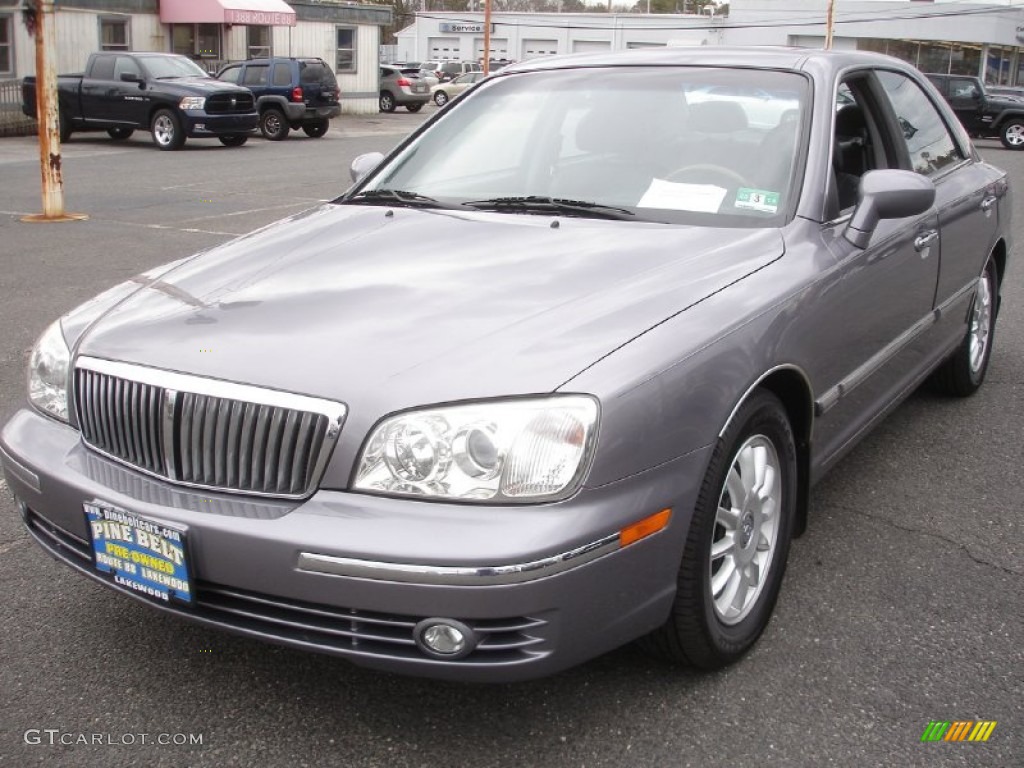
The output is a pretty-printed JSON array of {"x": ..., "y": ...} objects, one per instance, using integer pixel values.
[{"x": 98, "y": 89}]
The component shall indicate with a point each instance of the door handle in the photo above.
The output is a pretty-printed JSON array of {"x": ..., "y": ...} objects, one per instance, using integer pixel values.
[
  {"x": 925, "y": 239},
  {"x": 988, "y": 202}
]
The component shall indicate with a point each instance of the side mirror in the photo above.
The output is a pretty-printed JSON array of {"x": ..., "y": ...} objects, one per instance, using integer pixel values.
[
  {"x": 363, "y": 164},
  {"x": 130, "y": 77},
  {"x": 889, "y": 194}
]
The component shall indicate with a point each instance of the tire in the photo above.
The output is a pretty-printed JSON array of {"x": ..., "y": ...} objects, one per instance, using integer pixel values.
[
  {"x": 273, "y": 126},
  {"x": 120, "y": 134},
  {"x": 1012, "y": 134},
  {"x": 316, "y": 129},
  {"x": 233, "y": 140},
  {"x": 440, "y": 98},
  {"x": 706, "y": 629},
  {"x": 414, "y": 107},
  {"x": 166, "y": 130},
  {"x": 387, "y": 102},
  {"x": 963, "y": 373}
]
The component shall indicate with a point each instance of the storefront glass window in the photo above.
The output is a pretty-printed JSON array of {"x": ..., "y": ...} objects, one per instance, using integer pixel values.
[
  {"x": 965, "y": 60},
  {"x": 907, "y": 50},
  {"x": 934, "y": 58}
]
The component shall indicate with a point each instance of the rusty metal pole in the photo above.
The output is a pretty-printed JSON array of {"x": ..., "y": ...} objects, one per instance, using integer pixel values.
[
  {"x": 829, "y": 22},
  {"x": 487, "y": 37},
  {"x": 48, "y": 117}
]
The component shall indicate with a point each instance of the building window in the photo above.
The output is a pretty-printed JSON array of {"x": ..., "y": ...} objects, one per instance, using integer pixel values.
[
  {"x": 115, "y": 33},
  {"x": 6, "y": 46},
  {"x": 346, "y": 61},
  {"x": 258, "y": 42},
  {"x": 200, "y": 41}
]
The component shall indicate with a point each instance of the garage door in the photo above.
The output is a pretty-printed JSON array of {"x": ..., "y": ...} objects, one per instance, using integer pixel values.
[
  {"x": 591, "y": 46},
  {"x": 443, "y": 47},
  {"x": 499, "y": 48},
  {"x": 535, "y": 48}
]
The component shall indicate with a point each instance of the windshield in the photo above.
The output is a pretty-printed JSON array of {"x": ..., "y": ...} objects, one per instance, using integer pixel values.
[
  {"x": 172, "y": 66},
  {"x": 678, "y": 144}
]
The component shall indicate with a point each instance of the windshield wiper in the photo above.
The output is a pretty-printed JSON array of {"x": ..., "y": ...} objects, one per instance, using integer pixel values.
[
  {"x": 541, "y": 204},
  {"x": 398, "y": 197}
]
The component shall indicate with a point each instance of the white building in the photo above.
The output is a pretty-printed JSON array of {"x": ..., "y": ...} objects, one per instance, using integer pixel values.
[
  {"x": 959, "y": 37},
  {"x": 213, "y": 32}
]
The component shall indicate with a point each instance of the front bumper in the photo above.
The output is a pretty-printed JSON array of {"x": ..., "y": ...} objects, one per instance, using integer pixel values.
[
  {"x": 544, "y": 587},
  {"x": 198, "y": 124}
]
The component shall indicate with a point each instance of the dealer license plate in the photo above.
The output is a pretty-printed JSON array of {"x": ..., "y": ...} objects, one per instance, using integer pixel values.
[{"x": 139, "y": 554}]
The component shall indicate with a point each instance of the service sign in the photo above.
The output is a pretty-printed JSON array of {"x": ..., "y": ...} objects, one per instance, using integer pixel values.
[{"x": 139, "y": 554}]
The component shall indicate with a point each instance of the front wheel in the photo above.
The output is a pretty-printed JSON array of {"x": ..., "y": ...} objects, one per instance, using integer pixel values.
[
  {"x": 233, "y": 141},
  {"x": 387, "y": 102},
  {"x": 964, "y": 372},
  {"x": 440, "y": 98},
  {"x": 273, "y": 126},
  {"x": 120, "y": 134},
  {"x": 315, "y": 129},
  {"x": 736, "y": 549},
  {"x": 1012, "y": 134},
  {"x": 166, "y": 130}
]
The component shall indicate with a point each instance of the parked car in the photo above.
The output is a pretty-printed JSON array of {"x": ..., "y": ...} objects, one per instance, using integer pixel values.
[
  {"x": 585, "y": 401},
  {"x": 402, "y": 87},
  {"x": 449, "y": 70},
  {"x": 291, "y": 93},
  {"x": 442, "y": 92},
  {"x": 169, "y": 95},
  {"x": 983, "y": 113}
]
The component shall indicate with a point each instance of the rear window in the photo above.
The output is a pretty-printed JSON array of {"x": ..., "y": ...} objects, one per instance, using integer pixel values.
[{"x": 316, "y": 72}]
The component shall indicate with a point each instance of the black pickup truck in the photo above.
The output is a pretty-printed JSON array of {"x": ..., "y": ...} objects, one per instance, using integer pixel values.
[
  {"x": 167, "y": 94},
  {"x": 984, "y": 114}
]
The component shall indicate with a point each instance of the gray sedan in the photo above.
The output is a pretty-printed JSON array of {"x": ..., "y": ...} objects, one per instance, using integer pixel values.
[{"x": 643, "y": 316}]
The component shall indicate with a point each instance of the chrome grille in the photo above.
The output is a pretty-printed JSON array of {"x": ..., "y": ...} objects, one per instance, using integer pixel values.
[{"x": 203, "y": 432}]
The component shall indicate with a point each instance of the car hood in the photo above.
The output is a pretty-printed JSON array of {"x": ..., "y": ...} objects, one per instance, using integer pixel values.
[
  {"x": 203, "y": 85},
  {"x": 396, "y": 308}
]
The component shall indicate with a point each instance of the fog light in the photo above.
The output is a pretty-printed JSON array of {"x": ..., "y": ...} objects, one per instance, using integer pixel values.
[{"x": 445, "y": 638}]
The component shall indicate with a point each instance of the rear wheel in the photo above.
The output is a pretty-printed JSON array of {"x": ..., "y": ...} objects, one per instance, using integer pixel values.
[
  {"x": 315, "y": 129},
  {"x": 120, "y": 134},
  {"x": 166, "y": 130},
  {"x": 414, "y": 107},
  {"x": 440, "y": 98},
  {"x": 964, "y": 372},
  {"x": 233, "y": 140},
  {"x": 273, "y": 125},
  {"x": 1012, "y": 134},
  {"x": 387, "y": 102},
  {"x": 738, "y": 542}
]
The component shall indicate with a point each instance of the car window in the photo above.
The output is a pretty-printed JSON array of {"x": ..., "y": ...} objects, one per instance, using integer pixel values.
[
  {"x": 928, "y": 140},
  {"x": 463, "y": 80},
  {"x": 255, "y": 74},
  {"x": 230, "y": 75},
  {"x": 963, "y": 89},
  {"x": 282, "y": 74},
  {"x": 126, "y": 65},
  {"x": 316, "y": 72},
  {"x": 102, "y": 68},
  {"x": 646, "y": 139}
]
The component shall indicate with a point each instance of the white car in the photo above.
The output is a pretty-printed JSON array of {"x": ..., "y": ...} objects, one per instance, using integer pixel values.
[{"x": 442, "y": 93}]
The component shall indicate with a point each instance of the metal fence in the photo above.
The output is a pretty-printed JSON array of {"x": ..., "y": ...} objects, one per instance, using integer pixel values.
[{"x": 12, "y": 122}]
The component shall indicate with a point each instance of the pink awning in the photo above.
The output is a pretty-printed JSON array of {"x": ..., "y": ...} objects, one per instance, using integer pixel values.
[{"x": 276, "y": 13}]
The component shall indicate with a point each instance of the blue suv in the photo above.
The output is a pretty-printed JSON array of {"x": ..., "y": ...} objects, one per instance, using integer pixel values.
[{"x": 290, "y": 93}]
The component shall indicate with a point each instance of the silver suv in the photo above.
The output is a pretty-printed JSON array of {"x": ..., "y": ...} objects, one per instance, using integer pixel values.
[{"x": 402, "y": 86}]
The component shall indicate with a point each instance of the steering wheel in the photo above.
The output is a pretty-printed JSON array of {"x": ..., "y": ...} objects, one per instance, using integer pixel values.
[{"x": 717, "y": 172}]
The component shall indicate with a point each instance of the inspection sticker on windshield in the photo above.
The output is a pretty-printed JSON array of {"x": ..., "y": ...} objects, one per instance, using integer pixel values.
[
  {"x": 757, "y": 200},
  {"x": 139, "y": 554}
]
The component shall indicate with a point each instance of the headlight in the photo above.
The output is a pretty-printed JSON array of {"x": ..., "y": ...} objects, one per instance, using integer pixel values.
[
  {"x": 509, "y": 451},
  {"x": 48, "y": 373},
  {"x": 192, "y": 102}
]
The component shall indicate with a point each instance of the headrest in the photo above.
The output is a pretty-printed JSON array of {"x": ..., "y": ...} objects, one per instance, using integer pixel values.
[
  {"x": 850, "y": 121},
  {"x": 717, "y": 117}
]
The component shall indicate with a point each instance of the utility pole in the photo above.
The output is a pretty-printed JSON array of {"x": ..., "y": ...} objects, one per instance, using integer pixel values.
[
  {"x": 48, "y": 117},
  {"x": 829, "y": 23},
  {"x": 487, "y": 37}
]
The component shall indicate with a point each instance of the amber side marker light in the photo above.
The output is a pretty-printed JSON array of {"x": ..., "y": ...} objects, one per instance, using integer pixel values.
[{"x": 644, "y": 528}]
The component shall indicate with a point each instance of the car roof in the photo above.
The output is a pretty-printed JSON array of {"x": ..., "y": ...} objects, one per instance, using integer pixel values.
[{"x": 770, "y": 57}]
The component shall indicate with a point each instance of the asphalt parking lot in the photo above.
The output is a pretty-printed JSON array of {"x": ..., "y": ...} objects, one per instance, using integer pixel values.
[{"x": 903, "y": 603}]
